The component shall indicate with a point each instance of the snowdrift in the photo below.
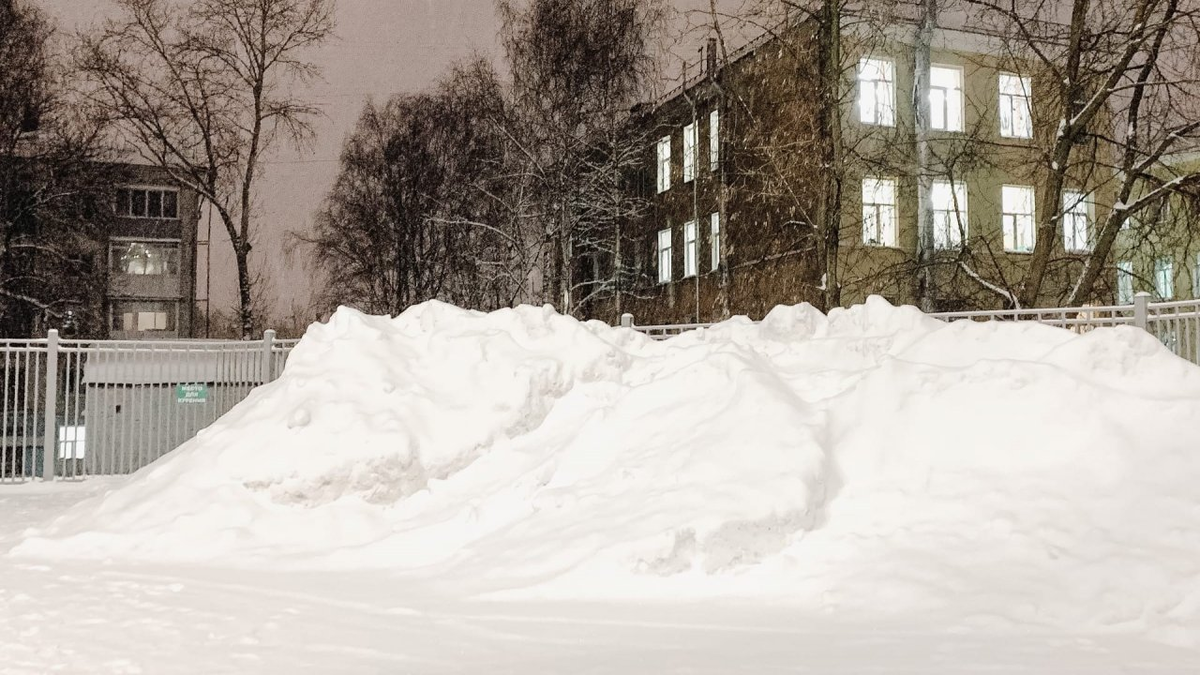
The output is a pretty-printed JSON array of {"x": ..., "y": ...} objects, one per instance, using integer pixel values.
[{"x": 872, "y": 460}]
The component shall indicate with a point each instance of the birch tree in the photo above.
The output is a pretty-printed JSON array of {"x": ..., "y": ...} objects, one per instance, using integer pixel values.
[
  {"x": 422, "y": 207},
  {"x": 578, "y": 67},
  {"x": 207, "y": 90}
]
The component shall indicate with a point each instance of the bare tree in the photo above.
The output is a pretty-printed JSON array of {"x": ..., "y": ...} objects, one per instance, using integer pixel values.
[
  {"x": 578, "y": 67},
  {"x": 424, "y": 205},
  {"x": 206, "y": 91},
  {"x": 54, "y": 204},
  {"x": 1121, "y": 75}
]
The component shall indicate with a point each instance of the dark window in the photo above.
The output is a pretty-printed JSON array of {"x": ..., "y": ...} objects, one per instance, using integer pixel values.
[{"x": 147, "y": 203}]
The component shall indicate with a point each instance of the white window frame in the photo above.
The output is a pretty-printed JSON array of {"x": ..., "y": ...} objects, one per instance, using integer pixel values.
[
  {"x": 169, "y": 314},
  {"x": 691, "y": 141},
  {"x": 714, "y": 242},
  {"x": 1125, "y": 282},
  {"x": 116, "y": 242},
  {"x": 714, "y": 140},
  {"x": 879, "y": 217},
  {"x": 949, "y": 214},
  {"x": 1015, "y": 94},
  {"x": 691, "y": 252},
  {"x": 146, "y": 189},
  {"x": 664, "y": 256},
  {"x": 946, "y": 100},
  {"x": 1164, "y": 278},
  {"x": 1018, "y": 225},
  {"x": 877, "y": 95},
  {"x": 1076, "y": 221},
  {"x": 664, "y": 164}
]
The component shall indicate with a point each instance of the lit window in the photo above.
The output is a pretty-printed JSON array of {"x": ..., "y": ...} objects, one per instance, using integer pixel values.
[
  {"x": 714, "y": 140},
  {"x": 877, "y": 92},
  {"x": 664, "y": 256},
  {"x": 715, "y": 241},
  {"x": 1164, "y": 278},
  {"x": 689, "y": 249},
  {"x": 691, "y": 138},
  {"x": 144, "y": 258},
  {"x": 664, "y": 164},
  {"x": 1016, "y": 113},
  {"x": 1077, "y": 217},
  {"x": 879, "y": 211},
  {"x": 949, "y": 213},
  {"x": 148, "y": 203},
  {"x": 1124, "y": 282},
  {"x": 945, "y": 98},
  {"x": 1016, "y": 216},
  {"x": 138, "y": 316}
]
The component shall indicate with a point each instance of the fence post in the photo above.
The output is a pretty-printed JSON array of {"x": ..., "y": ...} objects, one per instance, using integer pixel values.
[
  {"x": 627, "y": 320},
  {"x": 1141, "y": 310},
  {"x": 268, "y": 357},
  {"x": 50, "y": 437}
]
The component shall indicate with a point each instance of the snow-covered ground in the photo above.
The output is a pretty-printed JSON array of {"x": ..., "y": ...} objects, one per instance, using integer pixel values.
[{"x": 447, "y": 491}]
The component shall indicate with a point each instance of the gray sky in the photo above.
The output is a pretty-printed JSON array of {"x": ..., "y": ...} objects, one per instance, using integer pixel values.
[{"x": 383, "y": 47}]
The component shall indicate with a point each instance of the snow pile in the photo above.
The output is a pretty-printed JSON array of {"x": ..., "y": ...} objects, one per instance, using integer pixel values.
[{"x": 874, "y": 460}]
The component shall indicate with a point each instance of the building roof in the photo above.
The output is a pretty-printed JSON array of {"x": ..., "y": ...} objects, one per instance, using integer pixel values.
[{"x": 174, "y": 367}]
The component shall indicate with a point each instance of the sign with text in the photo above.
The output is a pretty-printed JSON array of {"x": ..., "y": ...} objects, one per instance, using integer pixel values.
[{"x": 191, "y": 393}]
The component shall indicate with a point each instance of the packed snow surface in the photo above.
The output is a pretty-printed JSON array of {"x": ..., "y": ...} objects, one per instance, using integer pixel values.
[{"x": 872, "y": 462}]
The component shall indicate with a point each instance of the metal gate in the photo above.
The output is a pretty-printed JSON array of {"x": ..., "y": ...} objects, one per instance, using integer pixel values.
[{"x": 76, "y": 408}]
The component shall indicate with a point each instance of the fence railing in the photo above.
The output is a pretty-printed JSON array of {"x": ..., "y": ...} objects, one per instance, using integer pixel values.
[
  {"x": 1175, "y": 324},
  {"x": 75, "y": 408}
]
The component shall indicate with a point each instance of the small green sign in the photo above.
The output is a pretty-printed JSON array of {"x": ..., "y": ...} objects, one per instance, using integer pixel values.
[{"x": 191, "y": 393}]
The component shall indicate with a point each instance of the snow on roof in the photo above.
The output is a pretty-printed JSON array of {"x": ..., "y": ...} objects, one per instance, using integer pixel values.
[{"x": 148, "y": 367}]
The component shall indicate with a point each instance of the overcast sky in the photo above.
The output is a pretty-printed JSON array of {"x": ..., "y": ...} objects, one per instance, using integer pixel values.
[{"x": 383, "y": 47}]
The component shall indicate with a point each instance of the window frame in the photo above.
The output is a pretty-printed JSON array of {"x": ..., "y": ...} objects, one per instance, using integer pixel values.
[
  {"x": 714, "y": 140},
  {"x": 663, "y": 149},
  {"x": 952, "y": 98},
  {"x": 877, "y": 212},
  {"x": 880, "y": 115},
  {"x": 691, "y": 249},
  {"x": 663, "y": 255},
  {"x": 116, "y": 242},
  {"x": 691, "y": 143},
  {"x": 1012, "y": 99},
  {"x": 1011, "y": 241},
  {"x": 1124, "y": 282},
  {"x": 1164, "y": 285},
  {"x": 170, "y": 316},
  {"x": 956, "y": 216},
  {"x": 1073, "y": 219},
  {"x": 123, "y": 208},
  {"x": 714, "y": 241}
]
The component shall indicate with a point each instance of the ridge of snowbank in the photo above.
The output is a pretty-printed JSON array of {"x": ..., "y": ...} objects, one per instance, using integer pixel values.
[{"x": 870, "y": 460}]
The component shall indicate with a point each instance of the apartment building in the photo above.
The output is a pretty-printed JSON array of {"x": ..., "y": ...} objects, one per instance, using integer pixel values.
[
  {"x": 1162, "y": 259},
  {"x": 151, "y": 256},
  {"x": 735, "y": 176}
]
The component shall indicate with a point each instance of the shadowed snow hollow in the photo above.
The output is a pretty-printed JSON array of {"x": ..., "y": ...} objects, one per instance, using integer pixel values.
[{"x": 872, "y": 460}]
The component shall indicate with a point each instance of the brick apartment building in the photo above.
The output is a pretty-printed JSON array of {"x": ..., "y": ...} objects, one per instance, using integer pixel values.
[{"x": 733, "y": 182}]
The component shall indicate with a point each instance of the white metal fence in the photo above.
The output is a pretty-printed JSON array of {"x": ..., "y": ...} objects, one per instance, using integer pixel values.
[
  {"x": 1175, "y": 324},
  {"x": 75, "y": 408}
]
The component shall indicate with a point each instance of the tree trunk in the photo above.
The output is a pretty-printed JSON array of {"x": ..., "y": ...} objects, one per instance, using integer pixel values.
[
  {"x": 830, "y": 116},
  {"x": 245, "y": 292},
  {"x": 926, "y": 293}
]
